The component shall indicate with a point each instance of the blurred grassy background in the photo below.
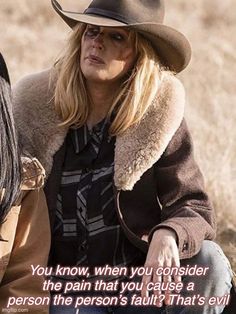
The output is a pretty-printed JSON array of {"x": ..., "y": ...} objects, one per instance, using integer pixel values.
[{"x": 32, "y": 36}]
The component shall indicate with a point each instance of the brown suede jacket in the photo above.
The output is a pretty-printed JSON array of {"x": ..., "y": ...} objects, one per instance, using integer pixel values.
[
  {"x": 25, "y": 241},
  {"x": 156, "y": 181}
]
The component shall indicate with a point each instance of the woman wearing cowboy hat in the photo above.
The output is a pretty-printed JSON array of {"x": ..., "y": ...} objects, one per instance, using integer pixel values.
[
  {"x": 123, "y": 188},
  {"x": 22, "y": 208}
]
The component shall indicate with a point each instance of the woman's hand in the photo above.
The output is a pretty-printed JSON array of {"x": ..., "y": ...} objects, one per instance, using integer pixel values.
[{"x": 162, "y": 252}]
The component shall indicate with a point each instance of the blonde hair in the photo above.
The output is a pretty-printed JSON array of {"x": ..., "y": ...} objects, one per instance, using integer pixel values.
[{"x": 136, "y": 94}]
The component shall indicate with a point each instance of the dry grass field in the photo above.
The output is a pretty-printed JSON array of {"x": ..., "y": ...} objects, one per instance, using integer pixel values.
[{"x": 32, "y": 36}]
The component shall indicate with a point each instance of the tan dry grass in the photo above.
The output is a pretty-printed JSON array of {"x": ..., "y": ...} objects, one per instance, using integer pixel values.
[{"x": 31, "y": 37}]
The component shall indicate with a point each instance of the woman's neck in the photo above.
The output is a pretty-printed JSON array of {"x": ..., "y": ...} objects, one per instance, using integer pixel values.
[{"x": 102, "y": 96}]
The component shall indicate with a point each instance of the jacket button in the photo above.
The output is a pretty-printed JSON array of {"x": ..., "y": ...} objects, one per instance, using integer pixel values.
[
  {"x": 83, "y": 247},
  {"x": 185, "y": 246}
]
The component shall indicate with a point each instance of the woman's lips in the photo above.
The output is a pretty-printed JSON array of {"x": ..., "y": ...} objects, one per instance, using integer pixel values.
[{"x": 95, "y": 59}]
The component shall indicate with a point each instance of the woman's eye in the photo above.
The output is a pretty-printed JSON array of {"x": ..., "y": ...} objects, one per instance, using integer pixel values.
[
  {"x": 91, "y": 32},
  {"x": 117, "y": 36}
]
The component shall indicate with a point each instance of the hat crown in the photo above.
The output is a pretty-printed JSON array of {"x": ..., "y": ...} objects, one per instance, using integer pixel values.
[
  {"x": 127, "y": 11},
  {"x": 144, "y": 16}
]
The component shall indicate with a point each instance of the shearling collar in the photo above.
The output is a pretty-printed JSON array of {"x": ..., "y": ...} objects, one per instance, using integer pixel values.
[{"x": 136, "y": 150}]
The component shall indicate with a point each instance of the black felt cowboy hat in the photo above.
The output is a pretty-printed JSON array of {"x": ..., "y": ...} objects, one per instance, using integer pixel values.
[
  {"x": 3, "y": 69},
  {"x": 144, "y": 16}
]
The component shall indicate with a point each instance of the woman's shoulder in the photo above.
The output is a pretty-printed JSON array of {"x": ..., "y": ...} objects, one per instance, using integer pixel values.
[
  {"x": 171, "y": 88},
  {"x": 33, "y": 175},
  {"x": 34, "y": 86},
  {"x": 36, "y": 79},
  {"x": 33, "y": 105}
]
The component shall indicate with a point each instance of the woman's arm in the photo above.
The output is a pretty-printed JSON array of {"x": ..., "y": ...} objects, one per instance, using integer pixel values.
[
  {"x": 186, "y": 208},
  {"x": 187, "y": 215}
]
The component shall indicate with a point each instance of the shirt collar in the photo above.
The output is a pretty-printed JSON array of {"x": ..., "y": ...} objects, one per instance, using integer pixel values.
[{"x": 83, "y": 135}]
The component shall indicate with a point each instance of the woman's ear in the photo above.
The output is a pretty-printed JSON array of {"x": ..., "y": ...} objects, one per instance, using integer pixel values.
[{"x": 3, "y": 69}]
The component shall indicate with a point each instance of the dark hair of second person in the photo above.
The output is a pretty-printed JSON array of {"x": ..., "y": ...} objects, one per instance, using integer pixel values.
[{"x": 10, "y": 165}]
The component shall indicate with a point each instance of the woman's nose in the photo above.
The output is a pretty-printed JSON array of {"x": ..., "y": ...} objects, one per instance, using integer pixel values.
[{"x": 98, "y": 41}]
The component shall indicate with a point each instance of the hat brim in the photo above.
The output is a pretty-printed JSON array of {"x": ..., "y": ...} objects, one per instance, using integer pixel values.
[{"x": 172, "y": 47}]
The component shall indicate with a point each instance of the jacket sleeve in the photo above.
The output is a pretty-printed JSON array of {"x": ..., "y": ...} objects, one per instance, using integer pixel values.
[
  {"x": 186, "y": 208},
  {"x": 31, "y": 247}
]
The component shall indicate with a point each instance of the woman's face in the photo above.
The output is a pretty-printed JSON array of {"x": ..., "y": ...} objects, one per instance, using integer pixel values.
[{"x": 107, "y": 53}]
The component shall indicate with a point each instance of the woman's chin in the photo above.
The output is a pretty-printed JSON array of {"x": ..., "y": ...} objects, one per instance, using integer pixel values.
[{"x": 96, "y": 78}]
